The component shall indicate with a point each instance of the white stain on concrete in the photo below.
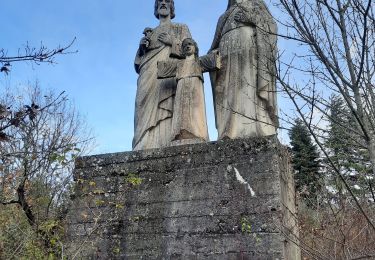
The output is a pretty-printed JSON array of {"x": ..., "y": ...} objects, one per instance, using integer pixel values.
[{"x": 242, "y": 181}]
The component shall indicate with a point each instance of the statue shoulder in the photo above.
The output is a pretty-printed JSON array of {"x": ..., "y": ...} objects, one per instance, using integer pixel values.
[
  {"x": 222, "y": 17},
  {"x": 261, "y": 13},
  {"x": 181, "y": 30},
  {"x": 180, "y": 26},
  {"x": 149, "y": 29},
  {"x": 261, "y": 8}
]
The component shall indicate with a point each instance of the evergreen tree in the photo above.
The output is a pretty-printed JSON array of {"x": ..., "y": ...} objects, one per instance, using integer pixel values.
[
  {"x": 306, "y": 163},
  {"x": 343, "y": 140},
  {"x": 346, "y": 151}
]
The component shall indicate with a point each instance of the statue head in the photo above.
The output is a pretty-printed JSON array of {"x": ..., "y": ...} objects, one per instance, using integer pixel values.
[
  {"x": 147, "y": 32},
  {"x": 232, "y": 2},
  {"x": 190, "y": 47},
  {"x": 164, "y": 7}
]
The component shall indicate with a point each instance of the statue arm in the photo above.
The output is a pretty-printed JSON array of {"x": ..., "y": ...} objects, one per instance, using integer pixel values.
[
  {"x": 143, "y": 47},
  {"x": 210, "y": 62},
  {"x": 267, "y": 49},
  {"x": 137, "y": 62},
  {"x": 167, "y": 69},
  {"x": 219, "y": 28}
]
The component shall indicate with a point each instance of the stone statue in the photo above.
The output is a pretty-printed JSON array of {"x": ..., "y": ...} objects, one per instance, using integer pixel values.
[
  {"x": 244, "y": 87},
  {"x": 145, "y": 43},
  {"x": 189, "y": 123},
  {"x": 155, "y": 97}
]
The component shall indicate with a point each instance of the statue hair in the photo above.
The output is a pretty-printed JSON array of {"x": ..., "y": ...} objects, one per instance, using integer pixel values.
[
  {"x": 230, "y": 3},
  {"x": 156, "y": 9},
  {"x": 196, "y": 53}
]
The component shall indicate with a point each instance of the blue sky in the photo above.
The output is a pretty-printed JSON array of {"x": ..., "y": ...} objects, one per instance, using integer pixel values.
[{"x": 100, "y": 78}]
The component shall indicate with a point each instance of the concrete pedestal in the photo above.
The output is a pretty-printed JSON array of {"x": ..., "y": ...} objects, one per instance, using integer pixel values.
[{"x": 227, "y": 200}]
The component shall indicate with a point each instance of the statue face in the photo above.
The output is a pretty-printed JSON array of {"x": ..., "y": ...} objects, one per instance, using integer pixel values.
[
  {"x": 164, "y": 7},
  {"x": 188, "y": 48},
  {"x": 147, "y": 32}
]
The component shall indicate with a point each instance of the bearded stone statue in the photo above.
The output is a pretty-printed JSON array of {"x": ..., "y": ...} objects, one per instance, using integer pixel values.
[
  {"x": 244, "y": 88},
  {"x": 155, "y": 97}
]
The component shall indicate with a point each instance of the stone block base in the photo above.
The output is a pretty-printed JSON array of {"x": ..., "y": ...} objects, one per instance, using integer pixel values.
[{"x": 230, "y": 199}]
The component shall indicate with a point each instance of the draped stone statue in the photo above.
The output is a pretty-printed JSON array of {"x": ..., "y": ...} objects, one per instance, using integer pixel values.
[
  {"x": 189, "y": 123},
  {"x": 155, "y": 97},
  {"x": 244, "y": 87}
]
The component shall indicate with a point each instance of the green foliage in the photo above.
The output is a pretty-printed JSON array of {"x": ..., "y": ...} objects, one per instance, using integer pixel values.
[
  {"x": 116, "y": 250},
  {"x": 65, "y": 156},
  {"x": 34, "y": 250},
  {"x": 341, "y": 139},
  {"x": 18, "y": 240},
  {"x": 98, "y": 192},
  {"x": 346, "y": 148},
  {"x": 116, "y": 205},
  {"x": 306, "y": 163},
  {"x": 245, "y": 226},
  {"x": 36, "y": 171},
  {"x": 53, "y": 233},
  {"x": 133, "y": 179},
  {"x": 137, "y": 218},
  {"x": 99, "y": 203}
]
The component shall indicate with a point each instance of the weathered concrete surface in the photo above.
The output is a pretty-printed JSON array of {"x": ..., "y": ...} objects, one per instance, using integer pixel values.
[{"x": 232, "y": 199}]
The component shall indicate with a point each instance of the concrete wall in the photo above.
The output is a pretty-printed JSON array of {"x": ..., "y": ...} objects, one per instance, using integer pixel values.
[{"x": 227, "y": 200}]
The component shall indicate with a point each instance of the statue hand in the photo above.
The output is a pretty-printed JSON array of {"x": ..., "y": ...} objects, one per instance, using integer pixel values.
[
  {"x": 144, "y": 41},
  {"x": 165, "y": 38}
]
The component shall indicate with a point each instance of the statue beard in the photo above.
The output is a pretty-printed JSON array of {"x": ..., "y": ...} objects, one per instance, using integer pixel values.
[{"x": 164, "y": 12}]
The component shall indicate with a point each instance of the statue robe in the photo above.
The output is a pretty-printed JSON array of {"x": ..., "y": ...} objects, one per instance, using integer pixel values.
[
  {"x": 155, "y": 97},
  {"x": 189, "y": 123},
  {"x": 244, "y": 88}
]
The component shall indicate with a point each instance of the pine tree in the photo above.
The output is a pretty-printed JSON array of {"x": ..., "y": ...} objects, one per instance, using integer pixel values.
[
  {"x": 306, "y": 163},
  {"x": 345, "y": 146},
  {"x": 342, "y": 141}
]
